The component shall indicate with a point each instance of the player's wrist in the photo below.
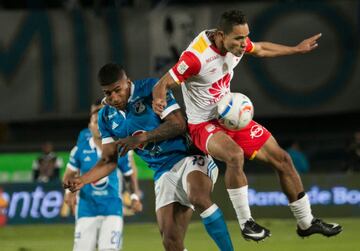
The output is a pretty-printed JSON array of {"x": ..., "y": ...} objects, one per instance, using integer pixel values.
[{"x": 134, "y": 196}]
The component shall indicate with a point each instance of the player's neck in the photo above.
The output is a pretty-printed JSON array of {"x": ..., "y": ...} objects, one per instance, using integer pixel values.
[{"x": 218, "y": 43}]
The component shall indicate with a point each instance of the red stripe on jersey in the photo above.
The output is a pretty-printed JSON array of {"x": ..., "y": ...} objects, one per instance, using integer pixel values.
[
  {"x": 187, "y": 66},
  {"x": 249, "y": 45}
]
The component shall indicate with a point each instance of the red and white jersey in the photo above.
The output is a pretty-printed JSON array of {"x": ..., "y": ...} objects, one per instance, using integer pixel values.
[{"x": 205, "y": 74}]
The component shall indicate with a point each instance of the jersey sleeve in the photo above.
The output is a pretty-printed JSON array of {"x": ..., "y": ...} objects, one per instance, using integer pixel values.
[
  {"x": 188, "y": 65},
  {"x": 250, "y": 47},
  {"x": 124, "y": 165},
  {"x": 74, "y": 163},
  {"x": 112, "y": 124},
  {"x": 172, "y": 105}
]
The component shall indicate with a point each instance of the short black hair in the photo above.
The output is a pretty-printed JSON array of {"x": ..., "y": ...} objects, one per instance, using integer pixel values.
[
  {"x": 229, "y": 19},
  {"x": 97, "y": 101},
  {"x": 110, "y": 73}
]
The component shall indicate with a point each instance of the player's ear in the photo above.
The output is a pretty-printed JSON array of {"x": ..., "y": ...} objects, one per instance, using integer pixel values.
[{"x": 221, "y": 34}]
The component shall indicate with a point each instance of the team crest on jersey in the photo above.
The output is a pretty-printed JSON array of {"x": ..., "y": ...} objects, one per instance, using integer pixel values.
[
  {"x": 182, "y": 67},
  {"x": 256, "y": 131},
  {"x": 139, "y": 107},
  {"x": 225, "y": 68}
]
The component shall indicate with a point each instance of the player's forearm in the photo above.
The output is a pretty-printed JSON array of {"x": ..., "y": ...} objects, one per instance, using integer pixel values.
[
  {"x": 267, "y": 49},
  {"x": 68, "y": 175},
  {"x": 103, "y": 168},
  {"x": 164, "y": 84},
  {"x": 131, "y": 184},
  {"x": 167, "y": 130},
  {"x": 159, "y": 90}
]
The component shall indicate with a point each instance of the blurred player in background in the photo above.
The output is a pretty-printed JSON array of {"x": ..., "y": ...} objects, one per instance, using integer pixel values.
[
  {"x": 99, "y": 221},
  {"x": 205, "y": 68},
  {"x": 46, "y": 168},
  {"x": 182, "y": 181}
]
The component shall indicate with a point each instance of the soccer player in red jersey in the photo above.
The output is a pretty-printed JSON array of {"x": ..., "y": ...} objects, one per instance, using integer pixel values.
[{"x": 204, "y": 71}]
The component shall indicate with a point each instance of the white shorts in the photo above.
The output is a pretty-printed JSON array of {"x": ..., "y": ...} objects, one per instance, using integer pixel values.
[
  {"x": 104, "y": 232},
  {"x": 172, "y": 185}
]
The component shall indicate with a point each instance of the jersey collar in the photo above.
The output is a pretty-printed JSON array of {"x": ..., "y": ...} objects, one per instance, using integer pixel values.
[
  {"x": 132, "y": 88},
  {"x": 212, "y": 46}
]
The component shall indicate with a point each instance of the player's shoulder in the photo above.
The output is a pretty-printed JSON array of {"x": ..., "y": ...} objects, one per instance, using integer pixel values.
[
  {"x": 81, "y": 145},
  {"x": 84, "y": 135},
  {"x": 200, "y": 44},
  {"x": 108, "y": 113},
  {"x": 146, "y": 82},
  {"x": 142, "y": 87}
]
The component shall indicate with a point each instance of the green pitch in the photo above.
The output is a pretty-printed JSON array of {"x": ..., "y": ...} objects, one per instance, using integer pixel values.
[{"x": 140, "y": 237}]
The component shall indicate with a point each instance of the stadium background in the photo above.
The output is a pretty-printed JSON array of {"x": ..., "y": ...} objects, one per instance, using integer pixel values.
[{"x": 50, "y": 52}]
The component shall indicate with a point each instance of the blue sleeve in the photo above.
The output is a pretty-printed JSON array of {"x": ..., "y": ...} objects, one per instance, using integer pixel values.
[
  {"x": 124, "y": 165},
  {"x": 112, "y": 124},
  {"x": 74, "y": 160}
]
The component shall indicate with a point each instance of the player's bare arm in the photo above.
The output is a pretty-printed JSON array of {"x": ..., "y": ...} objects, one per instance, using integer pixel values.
[
  {"x": 268, "y": 49},
  {"x": 159, "y": 92},
  {"x": 69, "y": 198},
  {"x": 131, "y": 185},
  {"x": 174, "y": 125},
  {"x": 103, "y": 167},
  {"x": 69, "y": 175}
]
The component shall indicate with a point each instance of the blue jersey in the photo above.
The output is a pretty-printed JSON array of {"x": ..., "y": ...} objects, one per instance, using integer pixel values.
[
  {"x": 139, "y": 117},
  {"x": 103, "y": 196},
  {"x": 84, "y": 134}
]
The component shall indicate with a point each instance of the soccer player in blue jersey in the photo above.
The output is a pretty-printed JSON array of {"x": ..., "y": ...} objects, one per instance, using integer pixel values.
[
  {"x": 183, "y": 182},
  {"x": 99, "y": 220}
]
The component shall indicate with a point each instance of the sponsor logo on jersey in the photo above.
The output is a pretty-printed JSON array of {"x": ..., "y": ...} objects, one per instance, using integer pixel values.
[
  {"x": 256, "y": 131},
  {"x": 142, "y": 146},
  {"x": 220, "y": 88},
  {"x": 139, "y": 107},
  {"x": 101, "y": 184},
  {"x": 182, "y": 67},
  {"x": 88, "y": 151},
  {"x": 212, "y": 58}
]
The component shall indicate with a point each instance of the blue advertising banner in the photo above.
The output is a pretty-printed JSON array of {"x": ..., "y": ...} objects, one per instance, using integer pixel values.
[
  {"x": 331, "y": 195},
  {"x": 35, "y": 203},
  {"x": 28, "y": 203}
]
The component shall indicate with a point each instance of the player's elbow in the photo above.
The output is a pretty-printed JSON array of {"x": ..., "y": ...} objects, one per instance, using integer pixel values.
[
  {"x": 259, "y": 53},
  {"x": 181, "y": 126}
]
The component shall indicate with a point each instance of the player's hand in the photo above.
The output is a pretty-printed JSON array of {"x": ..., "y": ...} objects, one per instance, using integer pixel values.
[
  {"x": 159, "y": 105},
  {"x": 136, "y": 206},
  {"x": 130, "y": 143},
  {"x": 70, "y": 200},
  {"x": 74, "y": 184},
  {"x": 308, "y": 44}
]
